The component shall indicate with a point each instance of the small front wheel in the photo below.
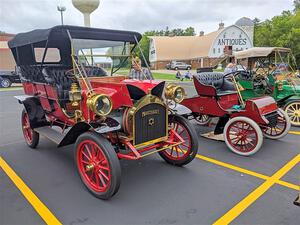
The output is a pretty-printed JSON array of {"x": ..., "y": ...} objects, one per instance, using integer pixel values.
[
  {"x": 31, "y": 137},
  {"x": 243, "y": 136},
  {"x": 184, "y": 153},
  {"x": 98, "y": 165},
  {"x": 279, "y": 128}
]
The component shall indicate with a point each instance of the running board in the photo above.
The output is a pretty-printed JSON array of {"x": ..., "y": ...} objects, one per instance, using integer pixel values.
[
  {"x": 51, "y": 134},
  {"x": 211, "y": 135}
]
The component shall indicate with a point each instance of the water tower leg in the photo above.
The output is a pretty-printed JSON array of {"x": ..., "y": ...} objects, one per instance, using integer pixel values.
[{"x": 87, "y": 19}]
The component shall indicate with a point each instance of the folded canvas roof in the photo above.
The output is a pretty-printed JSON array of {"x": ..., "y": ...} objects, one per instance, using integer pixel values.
[{"x": 259, "y": 52}]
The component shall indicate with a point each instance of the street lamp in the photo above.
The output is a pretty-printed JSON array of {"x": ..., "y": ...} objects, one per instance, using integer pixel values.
[{"x": 61, "y": 9}]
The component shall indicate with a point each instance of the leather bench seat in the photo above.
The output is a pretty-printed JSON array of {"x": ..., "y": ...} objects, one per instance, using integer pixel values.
[{"x": 222, "y": 86}]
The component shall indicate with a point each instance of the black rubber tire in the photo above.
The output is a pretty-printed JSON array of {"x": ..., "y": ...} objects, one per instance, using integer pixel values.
[
  {"x": 113, "y": 161},
  {"x": 35, "y": 135},
  {"x": 194, "y": 142},
  {"x": 5, "y": 83}
]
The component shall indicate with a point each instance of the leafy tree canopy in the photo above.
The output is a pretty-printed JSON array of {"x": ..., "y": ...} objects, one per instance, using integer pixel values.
[{"x": 281, "y": 31}]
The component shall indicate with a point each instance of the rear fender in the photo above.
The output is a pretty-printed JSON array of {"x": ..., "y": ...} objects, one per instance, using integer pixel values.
[
  {"x": 282, "y": 102},
  {"x": 34, "y": 110}
]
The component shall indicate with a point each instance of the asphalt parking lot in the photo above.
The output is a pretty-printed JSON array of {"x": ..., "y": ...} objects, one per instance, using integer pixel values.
[{"x": 42, "y": 185}]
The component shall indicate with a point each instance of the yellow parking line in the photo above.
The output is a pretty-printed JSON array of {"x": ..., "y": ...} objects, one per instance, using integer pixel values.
[
  {"x": 245, "y": 171},
  {"x": 11, "y": 89},
  {"x": 294, "y": 132},
  {"x": 41, "y": 209},
  {"x": 229, "y": 166},
  {"x": 258, "y": 192}
]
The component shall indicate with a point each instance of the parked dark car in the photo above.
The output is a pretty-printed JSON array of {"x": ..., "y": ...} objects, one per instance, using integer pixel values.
[{"x": 7, "y": 78}]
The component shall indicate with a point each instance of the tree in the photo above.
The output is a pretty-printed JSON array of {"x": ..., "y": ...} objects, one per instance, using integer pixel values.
[
  {"x": 297, "y": 5},
  {"x": 280, "y": 31}
]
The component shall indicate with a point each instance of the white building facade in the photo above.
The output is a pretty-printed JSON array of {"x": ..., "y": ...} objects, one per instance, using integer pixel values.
[{"x": 205, "y": 50}]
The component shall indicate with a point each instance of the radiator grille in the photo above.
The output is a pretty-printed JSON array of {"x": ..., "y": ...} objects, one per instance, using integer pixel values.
[{"x": 150, "y": 123}]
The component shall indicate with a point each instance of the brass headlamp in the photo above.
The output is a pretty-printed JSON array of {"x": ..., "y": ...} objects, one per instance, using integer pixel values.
[
  {"x": 100, "y": 104},
  {"x": 175, "y": 93}
]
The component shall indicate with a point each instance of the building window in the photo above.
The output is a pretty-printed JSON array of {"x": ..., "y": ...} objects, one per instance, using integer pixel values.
[
  {"x": 214, "y": 50},
  {"x": 219, "y": 50},
  {"x": 236, "y": 49}
]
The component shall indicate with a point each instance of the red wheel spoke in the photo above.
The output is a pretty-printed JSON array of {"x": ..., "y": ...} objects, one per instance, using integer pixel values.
[
  {"x": 96, "y": 178},
  {"x": 85, "y": 161},
  {"x": 88, "y": 150},
  {"x": 101, "y": 180},
  {"x": 177, "y": 153},
  {"x": 103, "y": 174},
  {"x": 103, "y": 167},
  {"x": 88, "y": 157}
]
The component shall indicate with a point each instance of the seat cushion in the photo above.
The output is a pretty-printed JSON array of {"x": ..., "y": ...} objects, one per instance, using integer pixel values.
[{"x": 216, "y": 80}]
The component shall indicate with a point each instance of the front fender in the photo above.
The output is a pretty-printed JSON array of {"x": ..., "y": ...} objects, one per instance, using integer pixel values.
[
  {"x": 109, "y": 125},
  {"x": 180, "y": 109}
]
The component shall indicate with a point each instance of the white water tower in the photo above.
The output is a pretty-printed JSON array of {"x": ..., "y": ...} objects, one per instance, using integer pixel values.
[{"x": 86, "y": 7}]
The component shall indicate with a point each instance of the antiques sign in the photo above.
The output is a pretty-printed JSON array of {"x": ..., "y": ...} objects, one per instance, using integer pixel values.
[{"x": 231, "y": 42}]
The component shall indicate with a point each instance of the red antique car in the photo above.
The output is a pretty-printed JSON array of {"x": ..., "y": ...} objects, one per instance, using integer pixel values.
[
  {"x": 73, "y": 97},
  {"x": 242, "y": 124}
]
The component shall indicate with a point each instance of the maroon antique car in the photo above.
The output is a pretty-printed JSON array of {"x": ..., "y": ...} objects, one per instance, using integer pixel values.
[
  {"x": 76, "y": 93},
  {"x": 241, "y": 124}
]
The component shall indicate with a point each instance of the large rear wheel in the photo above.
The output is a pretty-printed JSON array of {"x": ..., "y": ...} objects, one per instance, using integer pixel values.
[
  {"x": 98, "y": 165},
  {"x": 293, "y": 110},
  {"x": 243, "y": 136},
  {"x": 184, "y": 153},
  {"x": 277, "y": 129},
  {"x": 31, "y": 137}
]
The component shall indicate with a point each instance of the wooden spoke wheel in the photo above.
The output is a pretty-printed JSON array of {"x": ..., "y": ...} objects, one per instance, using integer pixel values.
[
  {"x": 31, "y": 137},
  {"x": 203, "y": 119},
  {"x": 243, "y": 136},
  {"x": 293, "y": 111},
  {"x": 279, "y": 129},
  {"x": 98, "y": 165},
  {"x": 184, "y": 153}
]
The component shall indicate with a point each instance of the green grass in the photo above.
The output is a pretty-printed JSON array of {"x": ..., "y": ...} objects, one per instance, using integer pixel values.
[
  {"x": 164, "y": 76},
  {"x": 158, "y": 76}
]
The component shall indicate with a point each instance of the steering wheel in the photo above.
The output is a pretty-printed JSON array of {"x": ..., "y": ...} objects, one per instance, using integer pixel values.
[{"x": 261, "y": 85}]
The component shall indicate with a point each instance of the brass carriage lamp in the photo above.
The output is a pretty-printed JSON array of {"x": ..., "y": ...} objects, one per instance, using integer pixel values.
[
  {"x": 280, "y": 86},
  {"x": 75, "y": 95}
]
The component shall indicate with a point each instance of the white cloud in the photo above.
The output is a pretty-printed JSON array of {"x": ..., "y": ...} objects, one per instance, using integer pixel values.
[{"x": 140, "y": 15}]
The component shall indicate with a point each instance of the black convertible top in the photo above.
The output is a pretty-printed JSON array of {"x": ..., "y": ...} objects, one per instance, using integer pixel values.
[
  {"x": 59, "y": 33},
  {"x": 23, "y": 44}
]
